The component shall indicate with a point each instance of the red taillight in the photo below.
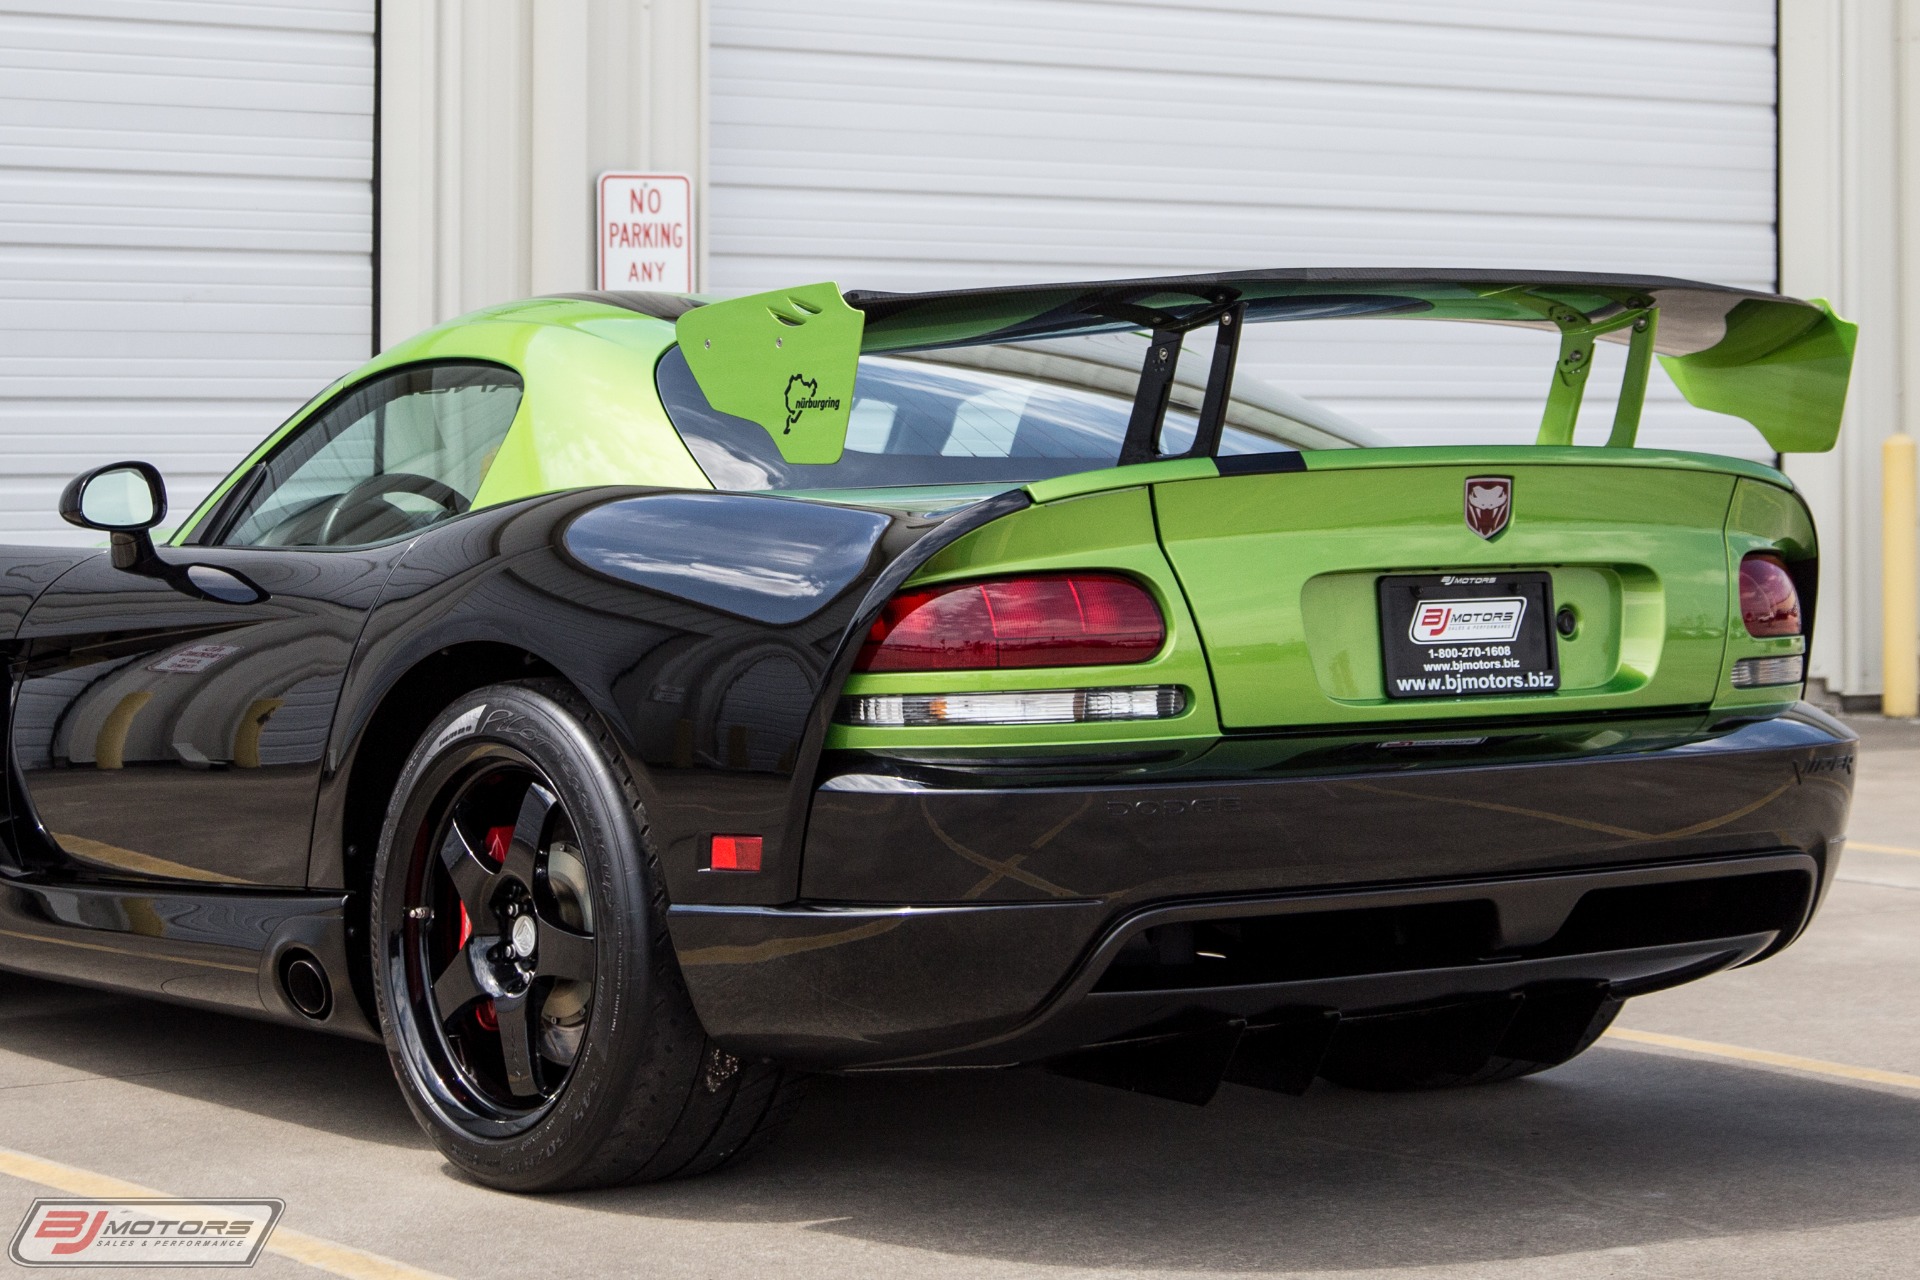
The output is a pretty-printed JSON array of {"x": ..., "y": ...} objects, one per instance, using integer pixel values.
[
  {"x": 1769, "y": 602},
  {"x": 1056, "y": 620}
]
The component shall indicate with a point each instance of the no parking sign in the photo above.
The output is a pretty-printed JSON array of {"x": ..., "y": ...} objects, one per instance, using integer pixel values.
[{"x": 646, "y": 231}]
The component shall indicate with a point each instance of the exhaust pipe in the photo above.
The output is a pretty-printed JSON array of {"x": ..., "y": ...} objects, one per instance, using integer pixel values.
[{"x": 304, "y": 980}]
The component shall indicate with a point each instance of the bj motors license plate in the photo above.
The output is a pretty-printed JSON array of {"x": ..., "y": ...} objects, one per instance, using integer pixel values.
[{"x": 1468, "y": 635}]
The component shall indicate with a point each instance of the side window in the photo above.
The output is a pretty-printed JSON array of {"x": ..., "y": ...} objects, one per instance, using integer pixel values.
[{"x": 402, "y": 451}]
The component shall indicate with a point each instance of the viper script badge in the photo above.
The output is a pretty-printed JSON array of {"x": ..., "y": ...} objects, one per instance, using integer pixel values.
[{"x": 1489, "y": 504}]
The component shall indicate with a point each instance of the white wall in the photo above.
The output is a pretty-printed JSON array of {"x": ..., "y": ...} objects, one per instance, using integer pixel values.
[
  {"x": 186, "y": 227},
  {"x": 950, "y": 142},
  {"x": 1850, "y": 195},
  {"x": 497, "y": 115}
]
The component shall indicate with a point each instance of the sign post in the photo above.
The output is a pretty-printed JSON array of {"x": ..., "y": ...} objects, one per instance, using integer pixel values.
[{"x": 646, "y": 232}]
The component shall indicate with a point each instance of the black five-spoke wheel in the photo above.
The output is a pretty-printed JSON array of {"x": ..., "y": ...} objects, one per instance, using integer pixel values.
[
  {"x": 500, "y": 927},
  {"x": 527, "y": 990}
]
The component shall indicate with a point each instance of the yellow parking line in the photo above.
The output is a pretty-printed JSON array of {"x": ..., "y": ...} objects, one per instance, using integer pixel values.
[
  {"x": 1883, "y": 848},
  {"x": 1768, "y": 1058},
  {"x": 325, "y": 1255}
]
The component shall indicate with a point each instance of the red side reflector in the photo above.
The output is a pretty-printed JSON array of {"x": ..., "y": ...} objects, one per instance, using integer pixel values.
[
  {"x": 1769, "y": 602},
  {"x": 1050, "y": 620},
  {"x": 735, "y": 853}
]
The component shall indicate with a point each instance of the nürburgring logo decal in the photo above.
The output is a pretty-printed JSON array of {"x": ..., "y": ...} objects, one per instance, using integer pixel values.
[{"x": 809, "y": 398}]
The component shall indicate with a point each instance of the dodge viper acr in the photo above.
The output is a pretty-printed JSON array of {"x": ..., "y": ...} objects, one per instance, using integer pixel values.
[{"x": 622, "y": 705}]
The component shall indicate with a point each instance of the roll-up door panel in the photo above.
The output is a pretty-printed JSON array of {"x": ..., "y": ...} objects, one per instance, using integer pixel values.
[
  {"x": 979, "y": 141},
  {"x": 186, "y": 233}
]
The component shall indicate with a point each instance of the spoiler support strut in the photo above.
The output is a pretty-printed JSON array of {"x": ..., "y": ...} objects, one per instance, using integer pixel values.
[
  {"x": 1633, "y": 383},
  {"x": 1142, "y": 443},
  {"x": 1144, "y": 424},
  {"x": 1577, "y": 335},
  {"x": 1213, "y": 407}
]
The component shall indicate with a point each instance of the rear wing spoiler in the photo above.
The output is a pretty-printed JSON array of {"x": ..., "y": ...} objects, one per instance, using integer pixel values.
[{"x": 787, "y": 359}]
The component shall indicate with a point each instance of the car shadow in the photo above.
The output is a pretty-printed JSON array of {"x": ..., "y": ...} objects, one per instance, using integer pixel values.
[{"x": 1619, "y": 1149}]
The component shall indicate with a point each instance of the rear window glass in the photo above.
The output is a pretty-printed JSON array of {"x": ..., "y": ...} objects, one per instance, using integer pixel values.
[{"x": 918, "y": 423}]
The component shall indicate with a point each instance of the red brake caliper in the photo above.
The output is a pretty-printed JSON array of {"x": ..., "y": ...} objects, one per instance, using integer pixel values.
[{"x": 498, "y": 838}]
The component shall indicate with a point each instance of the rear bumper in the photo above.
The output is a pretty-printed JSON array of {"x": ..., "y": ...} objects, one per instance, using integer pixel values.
[{"x": 1001, "y": 925}]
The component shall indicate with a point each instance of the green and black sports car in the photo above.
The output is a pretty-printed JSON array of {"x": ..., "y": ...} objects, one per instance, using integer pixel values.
[{"x": 624, "y": 704}]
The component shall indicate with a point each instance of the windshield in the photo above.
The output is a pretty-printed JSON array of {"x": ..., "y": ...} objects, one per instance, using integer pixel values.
[{"x": 916, "y": 421}]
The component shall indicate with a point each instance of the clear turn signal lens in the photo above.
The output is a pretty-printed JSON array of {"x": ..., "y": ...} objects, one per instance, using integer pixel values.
[
  {"x": 1753, "y": 673},
  {"x": 1039, "y": 706}
]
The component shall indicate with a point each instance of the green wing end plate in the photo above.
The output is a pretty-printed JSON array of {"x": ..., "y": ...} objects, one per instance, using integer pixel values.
[
  {"x": 1781, "y": 366},
  {"x": 785, "y": 360}
]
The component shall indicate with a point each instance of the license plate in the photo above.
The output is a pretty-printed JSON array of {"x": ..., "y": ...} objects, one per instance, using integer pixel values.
[{"x": 1468, "y": 635}]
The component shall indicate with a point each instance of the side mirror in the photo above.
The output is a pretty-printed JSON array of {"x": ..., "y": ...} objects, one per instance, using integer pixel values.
[
  {"x": 118, "y": 498},
  {"x": 124, "y": 499}
]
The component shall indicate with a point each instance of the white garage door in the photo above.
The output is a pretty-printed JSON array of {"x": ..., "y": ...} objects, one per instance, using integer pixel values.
[
  {"x": 886, "y": 145},
  {"x": 186, "y": 226}
]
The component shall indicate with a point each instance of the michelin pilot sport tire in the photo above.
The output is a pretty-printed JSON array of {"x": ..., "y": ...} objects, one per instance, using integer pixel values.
[{"x": 527, "y": 991}]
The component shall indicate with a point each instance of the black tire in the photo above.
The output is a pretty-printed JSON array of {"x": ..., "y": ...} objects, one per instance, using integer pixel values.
[
  {"x": 1449, "y": 1048},
  {"x": 516, "y": 902}
]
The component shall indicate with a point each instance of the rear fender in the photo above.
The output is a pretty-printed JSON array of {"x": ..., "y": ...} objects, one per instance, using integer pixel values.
[{"x": 710, "y": 632}]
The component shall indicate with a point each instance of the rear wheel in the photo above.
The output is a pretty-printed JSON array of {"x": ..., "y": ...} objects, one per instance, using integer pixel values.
[
  {"x": 529, "y": 997},
  {"x": 1477, "y": 1043}
]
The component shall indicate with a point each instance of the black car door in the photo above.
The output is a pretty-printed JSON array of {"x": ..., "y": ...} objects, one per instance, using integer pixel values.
[{"x": 162, "y": 734}]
